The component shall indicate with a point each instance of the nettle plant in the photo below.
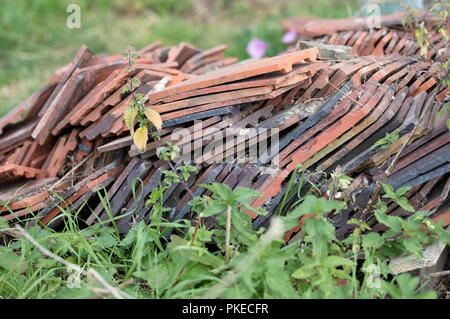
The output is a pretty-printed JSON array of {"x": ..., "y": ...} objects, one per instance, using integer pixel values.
[
  {"x": 137, "y": 111},
  {"x": 149, "y": 120},
  {"x": 229, "y": 260},
  {"x": 260, "y": 264}
]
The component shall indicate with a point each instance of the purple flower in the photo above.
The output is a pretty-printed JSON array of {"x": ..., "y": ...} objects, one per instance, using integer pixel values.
[
  {"x": 256, "y": 48},
  {"x": 289, "y": 37}
]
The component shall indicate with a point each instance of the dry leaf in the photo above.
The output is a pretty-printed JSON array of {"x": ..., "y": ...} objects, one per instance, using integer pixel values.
[
  {"x": 154, "y": 117},
  {"x": 130, "y": 115},
  {"x": 140, "y": 138}
]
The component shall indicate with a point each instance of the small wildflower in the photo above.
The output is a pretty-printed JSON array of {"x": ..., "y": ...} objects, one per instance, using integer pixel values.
[
  {"x": 289, "y": 37},
  {"x": 256, "y": 48}
]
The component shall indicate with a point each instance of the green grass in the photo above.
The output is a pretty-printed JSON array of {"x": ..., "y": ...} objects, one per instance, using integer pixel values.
[
  {"x": 44, "y": 263},
  {"x": 34, "y": 39}
]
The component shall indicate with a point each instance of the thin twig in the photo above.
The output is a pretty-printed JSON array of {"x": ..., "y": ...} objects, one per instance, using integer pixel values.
[
  {"x": 70, "y": 172},
  {"x": 437, "y": 274},
  {"x": 345, "y": 94},
  {"x": 105, "y": 292}
]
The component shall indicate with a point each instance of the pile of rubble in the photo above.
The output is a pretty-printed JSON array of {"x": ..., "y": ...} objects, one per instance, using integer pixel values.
[{"x": 301, "y": 112}]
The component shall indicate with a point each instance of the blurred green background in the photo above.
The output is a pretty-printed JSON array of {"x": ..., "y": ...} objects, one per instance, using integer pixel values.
[{"x": 35, "y": 41}]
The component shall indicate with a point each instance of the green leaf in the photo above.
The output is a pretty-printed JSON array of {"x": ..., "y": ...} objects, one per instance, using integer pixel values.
[
  {"x": 126, "y": 89},
  {"x": 404, "y": 203},
  {"x": 413, "y": 246},
  {"x": 406, "y": 289},
  {"x": 222, "y": 191},
  {"x": 311, "y": 205},
  {"x": 3, "y": 224},
  {"x": 402, "y": 191},
  {"x": 196, "y": 254},
  {"x": 130, "y": 238},
  {"x": 74, "y": 293},
  {"x": 389, "y": 191},
  {"x": 336, "y": 261},
  {"x": 106, "y": 241},
  {"x": 393, "y": 222},
  {"x": 414, "y": 221},
  {"x": 304, "y": 272},
  {"x": 278, "y": 283},
  {"x": 244, "y": 194},
  {"x": 156, "y": 276},
  {"x": 372, "y": 240},
  {"x": 212, "y": 209},
  {"x": 8, "y": 258}
]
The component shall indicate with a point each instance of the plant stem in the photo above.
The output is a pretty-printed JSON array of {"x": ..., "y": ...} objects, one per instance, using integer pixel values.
[
  {"x": 274, "y": 232},
  {"x": 186, "y": 186},
  {"x": 196, "y": 227},
  {"x": 227, "y": 235},
  {"x": 192, "y": 243}
]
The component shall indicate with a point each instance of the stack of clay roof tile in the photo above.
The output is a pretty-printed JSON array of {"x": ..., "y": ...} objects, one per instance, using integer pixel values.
[
  {"x": 58, "y": 129},
  {"x": 72, "y": 139},
  {"x": 73, "y": 129},
  {"x": 358, "y": 33}
]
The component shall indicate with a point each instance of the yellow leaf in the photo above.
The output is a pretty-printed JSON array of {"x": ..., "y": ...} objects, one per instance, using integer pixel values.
[
  {"x": 140, "y": 138},
  {"x": 154, "y": 117},
  {"x": 130, "y": 115}
]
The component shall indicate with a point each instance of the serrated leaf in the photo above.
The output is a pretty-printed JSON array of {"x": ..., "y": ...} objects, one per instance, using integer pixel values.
[
  {"x": 212, "y": 209},
  {"x": 106, "y": 241},
  {"x": 389, "y": 190},
  {"x": 140, "y": 138},
  {"x": 7, "y": 258},
  {"x": 130, "y": 115},
  {"x": 413, "y": 246},
  {"x": 303, "y": 272},
  {"x": 407, "y": 286},
  {"x": 393, "y": 222},
  {"x": 336, "y": 261},
  {"x": 402, "y": 191},
  {"x": 222, "y": 191},
  {"x": 404, "y": 203},
  {"x": 244, "y": 194},
  {"x": 154, "y": 117},
  {"x": 372, "y": 240},
  {"x": 196, "y": 254}
]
